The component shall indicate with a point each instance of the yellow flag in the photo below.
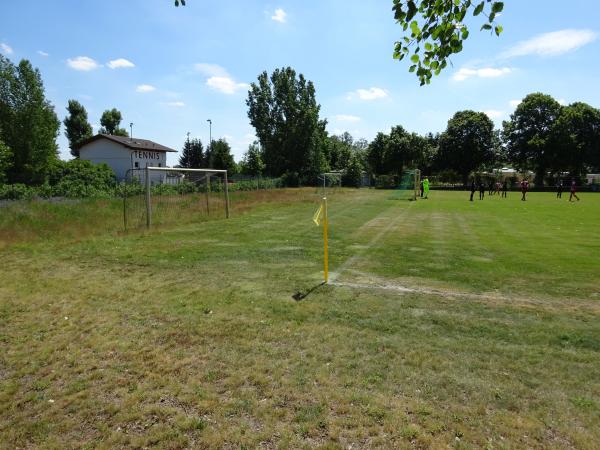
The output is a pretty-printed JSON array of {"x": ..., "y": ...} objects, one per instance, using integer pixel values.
[{"x": 318, "y": 215}]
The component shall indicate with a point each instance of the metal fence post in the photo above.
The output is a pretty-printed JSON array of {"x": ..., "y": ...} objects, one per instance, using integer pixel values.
[
  {"x": 148, "y": 199},
  {"x": 226, "y": 197}
]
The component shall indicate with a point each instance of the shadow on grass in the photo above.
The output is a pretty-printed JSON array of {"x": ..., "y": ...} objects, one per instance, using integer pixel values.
[{"x": 301, "y": 295}]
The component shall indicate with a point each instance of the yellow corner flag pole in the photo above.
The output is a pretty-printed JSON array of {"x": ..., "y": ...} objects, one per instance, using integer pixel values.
[
  {"x": 325, "y": 248},
  {"x": 321, "y": 214}
]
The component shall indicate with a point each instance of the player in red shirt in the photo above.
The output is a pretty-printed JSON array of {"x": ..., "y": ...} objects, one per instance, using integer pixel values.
[
  {"x": 524, "y": 189},
  {"x": 573, "y": 191}
]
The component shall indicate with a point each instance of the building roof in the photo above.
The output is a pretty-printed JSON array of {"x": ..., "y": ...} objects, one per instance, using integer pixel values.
[{"x": 132, "y": 143}]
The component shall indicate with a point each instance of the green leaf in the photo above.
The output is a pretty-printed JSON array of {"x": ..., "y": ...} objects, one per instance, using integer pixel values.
[
  {"x": 486, "y": 26},
  {"x": 412, "y": 68},
  {"x": 414, "y": 27},
  {"x": 478, "y": 9},
  {"x": 414, "y": 58},
  {"x": 428, "y": 46},
  {"x": 498, "y": 30},
  {"x": 497, "y": 7}
]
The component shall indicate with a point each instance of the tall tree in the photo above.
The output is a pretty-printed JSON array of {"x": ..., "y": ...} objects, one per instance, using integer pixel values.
[
  {"x": 5, "y": 161},
  {"x": 338, "y": 150},
  {"x": 434, "y": 30},
  {"x": 221, "y": 157},
  {"x": 376, "y": 153},
  {"x": 77, "y": 127},
  {"x": 192, "y": 155},
  {"x": 283, "y": 110},
  {"x": 467, "y": 142},
  {"x": 527, "y": 134},
  {"x": 353, "y": 170},
  {"x": 575, "y": 138},
  {"x": 110, "y": 121},
  {"x": 28, "y": 123},
  {"x": 252, "y": 163}
]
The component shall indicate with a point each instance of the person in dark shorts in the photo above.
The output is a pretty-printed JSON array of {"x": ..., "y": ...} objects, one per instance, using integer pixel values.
[
  {"x": 524, "y": 189},
  {"x": 573, "y": 191},
  {"x": 559, "y": 189},
  {"x": 481, "y": 190},
  {"x": 491, "y": 188},
  {"x": 504, "y": 189},
  {"x": 421, "y": 188},
  {"x": 473, "y": 189}
]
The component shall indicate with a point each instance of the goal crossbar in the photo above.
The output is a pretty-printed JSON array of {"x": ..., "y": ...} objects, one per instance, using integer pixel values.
[{"x": 176, "y": 169}]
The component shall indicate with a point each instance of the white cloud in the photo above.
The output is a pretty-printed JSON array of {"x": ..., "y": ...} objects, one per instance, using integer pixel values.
[
  {"x": 552, "y": 44},
  {"x": 373, "y": 93},
  {"x": 219, "y": 79},
  {"x": 175, "y": 104},
  {"x": 226, "y": 85},
  {"x": 82, "y": 63},
  {"x": 211, "y": 70},
  {"x": 494, "y": 114},
  {"x": 514, "y": 103},
  {"x": 562, "y": 101},
  {"x": 6, "y": 49},
  {"x": 145, "y": 88},
  {"x": 42, "y": 53},
  {"x": 346, "y": 118},
  {"x": 279, "y": 16},
  {"x": 120, "y": 63},
  {"x": 485, "y": 72}
]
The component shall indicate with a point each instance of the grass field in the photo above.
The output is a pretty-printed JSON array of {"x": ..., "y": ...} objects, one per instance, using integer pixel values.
[{"x": 447, "y": 323}]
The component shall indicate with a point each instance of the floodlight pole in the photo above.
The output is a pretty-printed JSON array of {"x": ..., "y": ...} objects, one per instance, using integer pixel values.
[
  {"x": 209, "y": 133},
  {"x": 131, "y": 130}
]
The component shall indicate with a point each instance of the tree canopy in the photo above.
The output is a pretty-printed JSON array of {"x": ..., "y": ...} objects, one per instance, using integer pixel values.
[
  {"x": 284, "y": 111},
  {"x": 434, "y": 30},
  {"x": 77, "y": 127},
  {"x": 252, "y": 162},
  {"x": 527, "y": 133},
  {"x": 28, "y": 123},
  {"x": 192, "y": 155},
  {"x": 220, "y": 157},
  {"x": 467, "y": 142},
  {"x": 110, "y": 121}
]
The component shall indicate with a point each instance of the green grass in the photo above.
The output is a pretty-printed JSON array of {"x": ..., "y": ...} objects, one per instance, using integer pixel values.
[{"x": 448, "y": 323}]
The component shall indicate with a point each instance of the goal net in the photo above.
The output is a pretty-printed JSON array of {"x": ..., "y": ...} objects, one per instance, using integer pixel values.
[
  {"x": 329, "y": 183},
  {"x": 160, "y": 195},
  {"x": 408, "y": 186}
]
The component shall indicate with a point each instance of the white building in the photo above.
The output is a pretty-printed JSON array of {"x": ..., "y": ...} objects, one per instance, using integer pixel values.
[{"x": 124, "y": 155}]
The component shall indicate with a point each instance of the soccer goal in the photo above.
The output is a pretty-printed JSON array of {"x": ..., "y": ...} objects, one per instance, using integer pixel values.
[
  {"x": 329, "y": 182},
  {"x": 161, "y": 195},
  {"x": 408, "y": 186}
]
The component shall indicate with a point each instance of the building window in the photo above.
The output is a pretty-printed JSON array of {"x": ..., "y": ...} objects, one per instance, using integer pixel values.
[
  {"x": 137, "y": 165},
  {"x": 158, "y": 164}
]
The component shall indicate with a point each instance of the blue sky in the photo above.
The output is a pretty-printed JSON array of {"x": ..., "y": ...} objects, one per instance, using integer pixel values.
[{"x": 169, "y": 69}]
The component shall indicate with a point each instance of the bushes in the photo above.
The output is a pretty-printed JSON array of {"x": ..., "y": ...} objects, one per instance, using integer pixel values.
[
  {"x": 72, "y": 179},
  {"x": 17, "y": 191}
]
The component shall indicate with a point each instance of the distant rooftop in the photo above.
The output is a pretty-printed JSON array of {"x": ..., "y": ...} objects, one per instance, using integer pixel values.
[{"x": 132, "y": 143}]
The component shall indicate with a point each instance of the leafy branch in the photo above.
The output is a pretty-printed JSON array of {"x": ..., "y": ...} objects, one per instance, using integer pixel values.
[{"x": 440, "y": 33}]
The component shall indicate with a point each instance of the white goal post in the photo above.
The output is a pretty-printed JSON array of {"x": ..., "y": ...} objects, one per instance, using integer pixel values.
[{"x": 149, "y": 171}]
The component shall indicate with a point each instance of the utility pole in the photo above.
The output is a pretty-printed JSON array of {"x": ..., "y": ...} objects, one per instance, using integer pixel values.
[{"x": 131, "y": 130}]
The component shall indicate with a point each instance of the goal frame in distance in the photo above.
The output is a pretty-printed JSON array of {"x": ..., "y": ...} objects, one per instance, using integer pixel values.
[{"x": 148, "y": 183}]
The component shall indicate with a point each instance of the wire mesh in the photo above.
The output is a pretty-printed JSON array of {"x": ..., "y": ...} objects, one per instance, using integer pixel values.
[{"x": 175, "y": 197}]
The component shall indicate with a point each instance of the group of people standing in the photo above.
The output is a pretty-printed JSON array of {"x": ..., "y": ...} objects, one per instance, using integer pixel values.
[
  {"x": 560, "y": 188},
  {"x": 501, "y": 189},
  {"x": 497, "y": 188}
]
